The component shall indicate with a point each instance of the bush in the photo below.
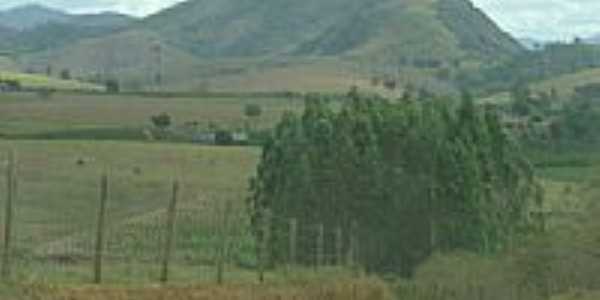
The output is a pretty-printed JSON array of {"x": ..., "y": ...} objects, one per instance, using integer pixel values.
[
  {"x": 252, "y": 110},
  {"x": 161, "y": 121}
]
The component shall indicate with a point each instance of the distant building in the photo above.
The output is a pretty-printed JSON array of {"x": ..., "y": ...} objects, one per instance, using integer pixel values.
[{"x": 204, "y": 137}]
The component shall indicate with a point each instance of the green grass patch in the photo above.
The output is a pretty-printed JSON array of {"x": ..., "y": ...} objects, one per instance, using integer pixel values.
[{"x": 34, "y": 81}]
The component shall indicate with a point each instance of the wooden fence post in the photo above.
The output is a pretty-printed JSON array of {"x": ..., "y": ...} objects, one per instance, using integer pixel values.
[
  {"x": 293, "y": 242},
  {"x": 11, "y": 192},
  {"x": 100, "y": 229},
  {"x": 353, "y": 245},
  {"x": 339, "y": 244},
  {"x": 264, "y": 245},
  {"x": 170, "y": 233},
  {"x": 320, "y": 245},
  {"x": 223, "y": 241}
]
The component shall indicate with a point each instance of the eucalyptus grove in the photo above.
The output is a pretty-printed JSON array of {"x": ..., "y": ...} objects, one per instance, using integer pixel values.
[{"x": 417, "y": 177}]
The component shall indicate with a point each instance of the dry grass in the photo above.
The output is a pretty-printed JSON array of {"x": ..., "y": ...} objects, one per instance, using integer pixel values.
[{"x": 365, "y": 289}]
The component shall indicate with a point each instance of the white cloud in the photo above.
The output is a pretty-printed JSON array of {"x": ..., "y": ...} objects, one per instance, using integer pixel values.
[
  {"x": 545, "y": 19},
  {"x": 132, "y": 7}
]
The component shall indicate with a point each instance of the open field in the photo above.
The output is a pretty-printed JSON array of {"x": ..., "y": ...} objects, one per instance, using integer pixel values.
[{"x": 68, "y": 114}]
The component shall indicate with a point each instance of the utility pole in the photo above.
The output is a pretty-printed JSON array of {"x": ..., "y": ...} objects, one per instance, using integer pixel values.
[{"x": 157, "y": 54}]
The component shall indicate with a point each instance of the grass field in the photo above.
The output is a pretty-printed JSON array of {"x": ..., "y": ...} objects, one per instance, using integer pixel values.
[
  {"x": 566, "y": 84},
  {"x": 76, "y": 114},
  {"x": 34, "y": 81}
]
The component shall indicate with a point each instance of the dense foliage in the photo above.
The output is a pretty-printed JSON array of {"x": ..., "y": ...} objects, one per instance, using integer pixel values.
[
  {"x": 579, "y": 120},
  {"x": 415, "y": 177}
]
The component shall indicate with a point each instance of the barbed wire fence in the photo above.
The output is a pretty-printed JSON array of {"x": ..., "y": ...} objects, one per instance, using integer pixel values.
[{"x": 99, "y": 239}]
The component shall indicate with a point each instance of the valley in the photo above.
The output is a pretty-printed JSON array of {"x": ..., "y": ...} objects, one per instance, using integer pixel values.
[{"x": 281, "y": 149}]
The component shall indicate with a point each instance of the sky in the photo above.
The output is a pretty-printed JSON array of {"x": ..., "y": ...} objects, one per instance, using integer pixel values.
[{"x": 539, "y": 19}]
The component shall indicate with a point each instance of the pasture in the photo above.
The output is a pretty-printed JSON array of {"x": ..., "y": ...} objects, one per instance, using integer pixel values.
[{"x": 58, "y": 195}]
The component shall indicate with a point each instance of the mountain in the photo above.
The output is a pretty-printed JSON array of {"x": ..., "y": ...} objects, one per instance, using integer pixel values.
[
  {"x": 440, "y": 29},
  {"x": 31, "y": 16},
  {"x": 229, "y": 41},
  {"x": 34, "y": 28}
]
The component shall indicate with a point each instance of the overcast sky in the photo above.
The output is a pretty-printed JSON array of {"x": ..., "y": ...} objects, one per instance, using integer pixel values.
[{"x": 542, "y": 19}]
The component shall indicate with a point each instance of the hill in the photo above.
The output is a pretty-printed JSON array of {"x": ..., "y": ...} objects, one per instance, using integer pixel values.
[
  {"x": 34, "y": 28},
  {"x": 28, "y": 17},
  {"x": 432, "y": 28},
  {"x": 125, "y": 55},
  {"x": 56, "y": 35}
]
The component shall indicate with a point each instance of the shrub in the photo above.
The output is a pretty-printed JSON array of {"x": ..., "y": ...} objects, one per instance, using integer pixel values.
[
  {"x": 252, "y": 110},
  {"x": 161, "y": 121}
]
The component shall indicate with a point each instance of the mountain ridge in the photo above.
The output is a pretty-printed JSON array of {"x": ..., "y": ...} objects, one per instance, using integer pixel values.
[{"x": 28, "y": 17}]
